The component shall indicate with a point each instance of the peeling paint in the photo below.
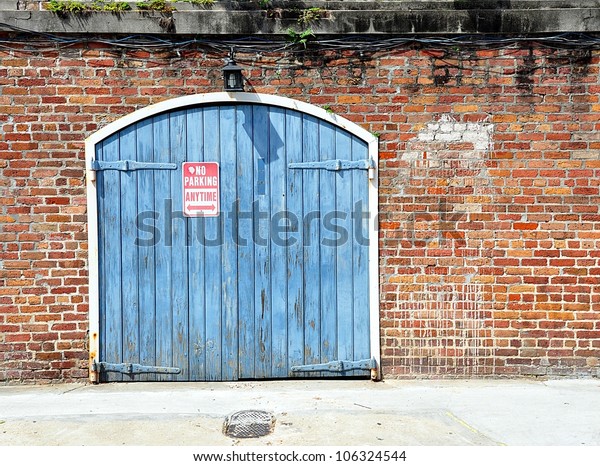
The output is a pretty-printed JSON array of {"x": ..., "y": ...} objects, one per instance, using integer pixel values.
[{"x": 447, "y": 333}]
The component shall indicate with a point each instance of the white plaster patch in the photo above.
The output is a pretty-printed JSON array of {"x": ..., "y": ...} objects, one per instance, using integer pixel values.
[
  {"x": 447, "y": 129},
  {"x": 439, "y": 144}
]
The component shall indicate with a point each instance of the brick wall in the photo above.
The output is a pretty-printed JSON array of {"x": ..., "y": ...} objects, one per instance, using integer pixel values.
[{"x": 489, "y": 194}]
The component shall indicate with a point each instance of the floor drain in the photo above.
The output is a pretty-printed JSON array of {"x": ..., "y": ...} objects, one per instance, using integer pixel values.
[{"x": 249, "y": 424}]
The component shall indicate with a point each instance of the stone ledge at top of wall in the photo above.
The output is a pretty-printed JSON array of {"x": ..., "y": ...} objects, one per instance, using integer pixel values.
[
  {"x": 397, "y": 17},
  {"x": 413, "y": 5}
]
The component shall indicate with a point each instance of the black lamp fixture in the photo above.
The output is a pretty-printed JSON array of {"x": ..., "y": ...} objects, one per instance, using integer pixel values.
[{"x": 233, "y": 80}]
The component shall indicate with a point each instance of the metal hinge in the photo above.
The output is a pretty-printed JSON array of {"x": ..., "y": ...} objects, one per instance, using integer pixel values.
[
  {"x": 335, "y": 165},
  {"x": 338, "y": 366},
  {"x": 131, "y": 165},
  {"x": 129, "y": 368}
]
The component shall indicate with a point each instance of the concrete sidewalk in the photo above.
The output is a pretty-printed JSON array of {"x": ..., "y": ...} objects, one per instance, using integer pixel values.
[{"x": 424, "y": 412}]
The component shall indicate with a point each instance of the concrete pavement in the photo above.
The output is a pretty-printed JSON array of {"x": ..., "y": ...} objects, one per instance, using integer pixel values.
[{"x": 320, "y": 412}]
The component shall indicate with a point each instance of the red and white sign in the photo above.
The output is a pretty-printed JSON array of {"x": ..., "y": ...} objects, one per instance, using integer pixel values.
[{"x": 201, "y": 189}]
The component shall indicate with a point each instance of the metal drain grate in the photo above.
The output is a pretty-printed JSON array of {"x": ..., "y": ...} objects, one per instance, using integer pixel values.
[{"x": 249, "y": 424}]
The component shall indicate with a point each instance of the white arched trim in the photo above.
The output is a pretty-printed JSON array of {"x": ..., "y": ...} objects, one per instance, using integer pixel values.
[
  {"x": 233, "y": 98},
  {"x": 229, "y": 98}
]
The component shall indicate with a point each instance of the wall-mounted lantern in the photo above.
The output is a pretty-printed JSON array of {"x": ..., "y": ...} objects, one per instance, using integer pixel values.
[{"x": 233, "y": 80}]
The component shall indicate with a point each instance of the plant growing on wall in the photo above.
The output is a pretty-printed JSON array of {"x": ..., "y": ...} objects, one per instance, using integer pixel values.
[
  {"x": 305, "y": 17},
  {"x": 299, "y": 38},
  {"x": 198, "y": 2},
  {"x": 116, "y": 7},
  {"x": 65, "y": 7},
  {"x": 309, "y": 15},
  {"x": 155, "y": 5}
]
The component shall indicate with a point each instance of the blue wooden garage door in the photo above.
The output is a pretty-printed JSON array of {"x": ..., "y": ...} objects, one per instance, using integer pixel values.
[{"x": 278, "y": 280}]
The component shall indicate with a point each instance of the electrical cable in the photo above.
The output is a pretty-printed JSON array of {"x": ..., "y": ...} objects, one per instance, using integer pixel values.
[{"x": 26, "y": 41}]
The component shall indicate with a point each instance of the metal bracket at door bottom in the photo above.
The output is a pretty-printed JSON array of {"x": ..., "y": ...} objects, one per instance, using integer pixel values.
[
  {"x": 338, "y": 366},
  {"x": 130, "y": 369}
]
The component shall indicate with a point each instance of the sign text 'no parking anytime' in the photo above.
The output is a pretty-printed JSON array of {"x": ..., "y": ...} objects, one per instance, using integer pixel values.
[{"x": 201, "y": 189}]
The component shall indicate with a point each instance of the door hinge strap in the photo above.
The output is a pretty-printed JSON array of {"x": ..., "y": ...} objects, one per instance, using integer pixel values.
[
  {"x": 128, "y": 368},
  {"x": 338, "y": 366},
  {"x": 335, "y": 165},
  {"x": 131, "y": 165}
]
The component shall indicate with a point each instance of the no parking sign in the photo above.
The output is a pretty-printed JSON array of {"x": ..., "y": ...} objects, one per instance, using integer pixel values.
[{"x": 201, "y": 190}]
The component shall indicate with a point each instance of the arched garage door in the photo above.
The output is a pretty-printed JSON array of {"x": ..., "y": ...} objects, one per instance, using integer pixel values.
[{"x": 232, "y": 241}]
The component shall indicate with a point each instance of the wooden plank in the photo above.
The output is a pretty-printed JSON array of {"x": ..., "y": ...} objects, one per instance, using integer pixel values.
[
  {"x": 360, "y": 237},
  {"x": 129, "y": 251},
  {"x": 344, "y": 250},
  {"x": 102, "y": 309},
  {"x": 245, "y": 243},
  {"x": 278, "y": 253},
  {"x": 295, "y": 255},
  {"x": 327, "y": 205},
  {"x": 213, "y": 258},
  {"x": 196, "y": 269},
  {"x": 162, "y": 251},
  {"x": 229, "y": 178},
  {"x": 113, "y": 331},
  {"x": 179, "y": 259},
  {"x": 262, "y": 277},
  {"x": 146, "y": 240},
  {"x": 311, "y": 198}
]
